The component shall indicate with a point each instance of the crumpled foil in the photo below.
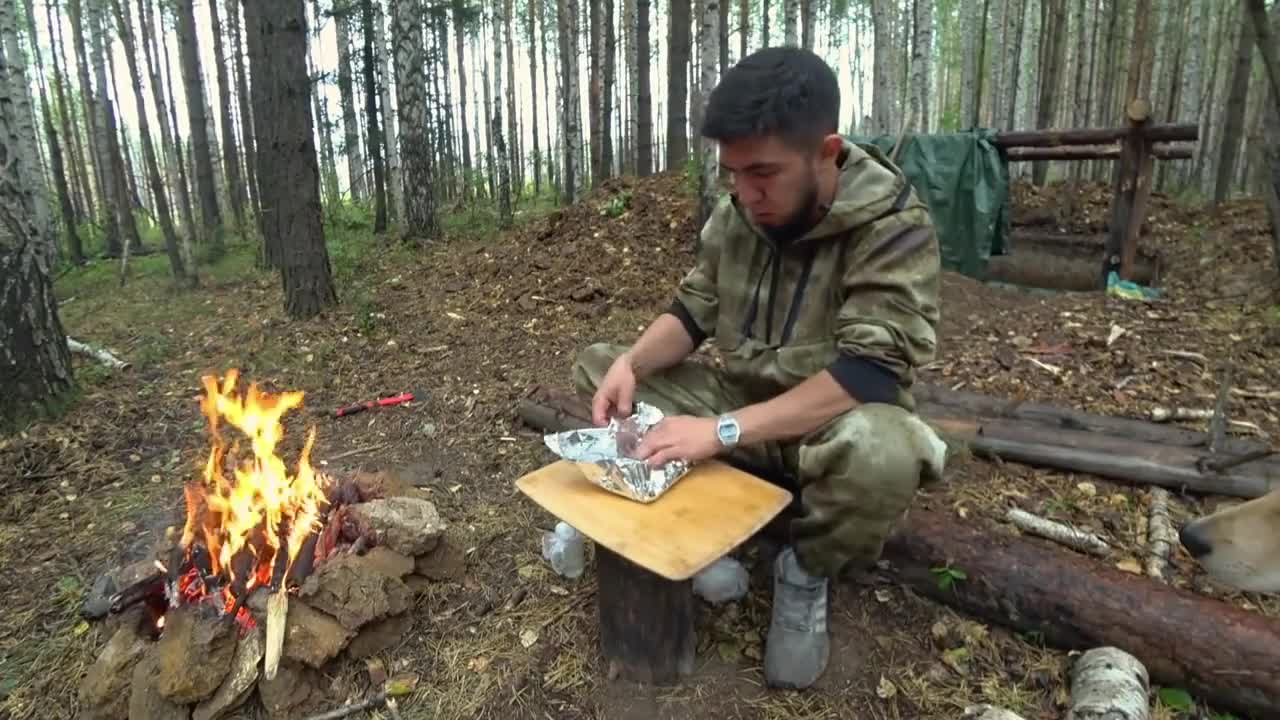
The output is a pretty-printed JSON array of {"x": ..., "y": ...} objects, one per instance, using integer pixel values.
[{"x": 604, "y": 455}]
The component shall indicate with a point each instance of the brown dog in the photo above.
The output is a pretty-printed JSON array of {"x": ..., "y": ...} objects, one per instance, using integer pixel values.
[{"x": 1239, "y": 546}]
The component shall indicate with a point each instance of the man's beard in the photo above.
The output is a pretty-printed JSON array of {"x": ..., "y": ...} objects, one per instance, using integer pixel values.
[{"x": 799, "y": 222}]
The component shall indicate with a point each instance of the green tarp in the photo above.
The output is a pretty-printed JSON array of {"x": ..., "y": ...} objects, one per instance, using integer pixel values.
[{"x": 965, "y": 182}]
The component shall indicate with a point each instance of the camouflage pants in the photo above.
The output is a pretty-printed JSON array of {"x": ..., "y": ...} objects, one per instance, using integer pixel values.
[{"x": 857, "y": 474}]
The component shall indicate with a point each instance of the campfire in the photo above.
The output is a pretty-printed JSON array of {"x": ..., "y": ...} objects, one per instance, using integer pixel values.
[{"x": 277, "y": 571}]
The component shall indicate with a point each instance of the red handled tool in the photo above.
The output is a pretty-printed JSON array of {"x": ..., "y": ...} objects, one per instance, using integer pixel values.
[{"x": 380, "y": 402}]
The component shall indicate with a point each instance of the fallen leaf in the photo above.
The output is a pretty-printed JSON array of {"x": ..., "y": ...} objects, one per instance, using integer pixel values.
[
  {"x": 1116, "y": 332},
  {"x": 886, "y": 689},
  {"x": 729, "y": 652},
  {"x": 557, "y": 590},
  {"x": 402, "y": 684},
  {"x": 1087, "y": 489},
  {"x": 528, "y": 637},
  {"x": 478, "y": 664},
  {"x": 80, "y": 628}
]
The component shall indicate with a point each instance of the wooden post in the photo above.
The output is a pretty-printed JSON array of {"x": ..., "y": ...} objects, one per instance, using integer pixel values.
[
  {"x": 1132, "y": 191},
  {"x": 646, "y": 621}
]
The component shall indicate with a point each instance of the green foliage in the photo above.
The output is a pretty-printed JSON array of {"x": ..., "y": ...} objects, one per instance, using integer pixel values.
[
  {"x": 1176, "y": 699},
  {"x": 617, "y": 204},
  {"x": 947, "y": 576}
]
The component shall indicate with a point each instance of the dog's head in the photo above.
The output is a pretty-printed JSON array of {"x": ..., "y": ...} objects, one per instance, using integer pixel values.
[{"x": 1239, "y": 546}]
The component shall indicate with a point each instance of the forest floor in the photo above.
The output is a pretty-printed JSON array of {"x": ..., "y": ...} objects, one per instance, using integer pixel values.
[{"x": 478, "y": 321}]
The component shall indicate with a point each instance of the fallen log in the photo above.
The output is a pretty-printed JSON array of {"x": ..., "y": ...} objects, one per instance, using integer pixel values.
[
  {"x": 1043, "y": 444},
  {"x": 1187, "y": 132},
  {"x": 102, "y": 356},
  {"x": 1119, "y": 459},
  {"x": 1225, "y": 655},
  {"x": 1108, "y": 683}
]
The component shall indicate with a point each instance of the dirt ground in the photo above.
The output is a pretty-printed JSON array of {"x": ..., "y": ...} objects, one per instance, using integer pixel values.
[{"x": 475, "y": 324}]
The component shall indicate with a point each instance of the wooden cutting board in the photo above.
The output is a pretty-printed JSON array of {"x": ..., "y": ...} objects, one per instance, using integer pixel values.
[{"x": 708, "y": 512}]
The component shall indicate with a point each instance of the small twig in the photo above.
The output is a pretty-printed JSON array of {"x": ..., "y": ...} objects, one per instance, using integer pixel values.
[
  {"x": 357, "y": 451},
  {"x": 1186, "y": 355},
  {"x": 1256, "y": 394},
  {"x": 1061, "y": 533},
  {"x": 1218, "y": 424},
  {"x": 1160, "y": 535},
  {"x": 369, "y": 703},
  {"x": 1222, "y": 464}
]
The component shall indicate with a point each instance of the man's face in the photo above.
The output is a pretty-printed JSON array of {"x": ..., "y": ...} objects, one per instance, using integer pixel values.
[{"x": 776, "y": 183}]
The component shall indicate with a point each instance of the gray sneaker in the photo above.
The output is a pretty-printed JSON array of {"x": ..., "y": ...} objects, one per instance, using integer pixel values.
[{"x": 798, "y": 645}]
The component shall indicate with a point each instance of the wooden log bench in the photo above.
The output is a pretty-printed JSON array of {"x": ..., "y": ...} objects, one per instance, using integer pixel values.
[{"x": 646, "y": 555}]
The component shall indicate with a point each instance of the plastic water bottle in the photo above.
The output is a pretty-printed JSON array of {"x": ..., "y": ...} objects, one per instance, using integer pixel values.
[
  {"x": 722, "y": 581},
  {"x": 564, "y": 548}
]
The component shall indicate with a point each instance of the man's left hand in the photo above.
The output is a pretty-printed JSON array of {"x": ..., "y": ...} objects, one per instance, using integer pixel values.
[{"x": 680, "y": 437}]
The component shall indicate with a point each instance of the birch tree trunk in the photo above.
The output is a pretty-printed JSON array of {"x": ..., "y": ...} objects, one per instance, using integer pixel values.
[
  {"x": 553, "y": 145},
  {"x": 184, "y": 186},
  {"x": 969, "y": 64},
  {"x": 68, "y": 117},
  {"x": 678, "y": 57},
  {"x": 491, "y": 173},
  {"x": 242, "y": 96},
  {"x": 882, "y": 92},
  {"x": 346, "y": 92},
  {"x": 192, "y": 81},
  {"x": 420, "y": 220},
  {"x": 61, "y": 186},
  {"x": 1233, "y": 113},
  {"x": 230, "y": 156},
  {"x": 571, "y": 180},
  {"x": 288, "y": 177},
  {"x": 595, "y": 88},
  {"x": 501, "y": 158},
  {"x": 922, "y": 44},
  {"x": 123, "y": 206},
  {"x": 606, "y": 98},
  {"x": 124, "y": 22},
  {"x": 459, "y": 32},
  {"x": 328, "y": 162},
  {"x": 533, "y": 14},
  {"x": 35, "y": 363},
  {"x": 644, "y": 93},
  {"x": 513, "y": 125},
  {"x": 632, "y": 63},
  {"x": 791, "y": 22},
  {"x": 394, "y": 184},
  {"x": 709, "y": 51}
]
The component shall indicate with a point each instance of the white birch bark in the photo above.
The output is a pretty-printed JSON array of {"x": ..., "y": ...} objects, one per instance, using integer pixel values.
[
  {"x": 17, "y": 90},
  {"x": 791, "y": 22},
  {"x": 882, "y": 95},
  {"x": 922, "y": 52},
  {"x": 969, "y": 63},
  {"x": 709, "y": 54},
  {"x": 389, "y": 132},
  {"x": 1108, "y": 683}
]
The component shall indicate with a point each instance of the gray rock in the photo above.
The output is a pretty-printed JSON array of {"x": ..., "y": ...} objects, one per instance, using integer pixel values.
[
  {"x": 104, "y": 692},
  {"x": 237, "y": 686},
  {"x": 355, "y": 592},
  {"x": 146, "y": 702},
  {"x": 408, "y": 525},
  {"x": 311, "y": 636},
  {"x": 194, "y": 654},
  {"x": 380, "y": 635}
]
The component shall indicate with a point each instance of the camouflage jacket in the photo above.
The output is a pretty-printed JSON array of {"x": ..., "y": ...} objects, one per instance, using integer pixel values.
[{"x": 856, "y": 295}]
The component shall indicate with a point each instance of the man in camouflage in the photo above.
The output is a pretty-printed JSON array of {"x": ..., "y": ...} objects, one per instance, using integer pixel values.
[{"x": 817, "y": 278}]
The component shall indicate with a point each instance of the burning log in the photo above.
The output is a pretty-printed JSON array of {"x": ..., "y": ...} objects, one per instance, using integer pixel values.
[
  {"x": 1222, "y": 653},
  {"x": 151, "y": 586}
]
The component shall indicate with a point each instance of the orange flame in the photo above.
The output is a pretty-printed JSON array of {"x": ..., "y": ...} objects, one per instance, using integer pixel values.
[{"x": 248, "y": 511}]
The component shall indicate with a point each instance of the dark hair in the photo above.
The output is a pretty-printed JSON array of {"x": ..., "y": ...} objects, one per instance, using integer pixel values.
[{"x": 786, "y": 91}]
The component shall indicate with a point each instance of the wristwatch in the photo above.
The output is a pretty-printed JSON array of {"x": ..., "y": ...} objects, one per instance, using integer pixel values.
[{"x": 728, "y": 430}]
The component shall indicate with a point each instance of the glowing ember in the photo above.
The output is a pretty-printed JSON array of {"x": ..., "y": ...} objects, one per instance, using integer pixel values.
[{"x": 245, "y": 527}]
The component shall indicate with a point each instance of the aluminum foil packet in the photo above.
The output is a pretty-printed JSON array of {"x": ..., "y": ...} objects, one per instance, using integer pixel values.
[{"x": 604, "y": 454}]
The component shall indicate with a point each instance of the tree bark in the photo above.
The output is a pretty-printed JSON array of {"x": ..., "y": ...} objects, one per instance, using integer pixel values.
[
  {"x": 420, "y": 220},
  {"x": 374, "y": 125},
  {"x": 501, "y": 158},
  {"x": 1017, "y": 22},
  {"x": 647, "y": 623},
  {"x": 1266, "y": 41},
  {"x": 329, "y": 184},
  {"x": 99, "y": 142},
  {"x": 882, "y": 91},
  {"x": 230, "y": 154},
  {"x": 744, "y": 29},
  {"x": 61, "y": 186},
  {"x": 35, "y": 363},
  {"x": 595, "y": 88},
  {"x": 546, "y": 7},
  {"x": 124, "y": 22},
  {"x": 116, "y": 148},
  {"x": 606, "y": 99},
  {"x": 533, "y": 15},
  {"x": 791, "y": 22},
  {"x": 287, "y": 171},
  {"x": 922, "y": 53},
  {"x": 571, "y": 115},
  {"x": 513, "y": 125},
  {"x": 459, "y": 33},
  {"x": 1215, "y": 650},
  {"x": 394, "y": 184},
  {"x": 1053, "y": 39},
  {"x": 189, "y": 55},
  {"x": 1234, "y": 112},
  {"x": 678, "y": 56},
  {"x": 644, "y": 93},
  {"x": 242, "y": 95},
  {"x": 350, "y": 124},
  {"x": 184, "y": 186},
  {"x": 708, "y": 52}
]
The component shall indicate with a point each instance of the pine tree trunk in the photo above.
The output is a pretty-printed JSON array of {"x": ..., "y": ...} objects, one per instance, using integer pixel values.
[
  {"x": 513, "y": 124},
  {"x": 394, "y": 184},
  {"x": 571, "y": 182},
  {"x": 723, "y": 45},
  {"x": 1053, "y": 41},
  {"x": 61, "y": 187},
  {"x": 765, "y": 17},
  {"x": 969, "y": 65},
  {"x": 276, "y": 35},
  {"x": 35, "y": 364},
  {"x": 491, "y": 170},
  {"x": 230, "y": 156},
  {"x": 189, "y": 55},
  {"x": 631, "y": 64},
  {"x": 1017, "y": 22},
  {"x": 501, "y": 158},
  {"x": 99, "y": 144},
  {"x": 532, "y": 16},
  {"x": 115, "y": 151},
  {"x": 372, "y": 121},
  {"x": 678, "y": 58},
  {"x": 459, "y": 32},
  {"x": 329, "y": 184},
  {"x": 1234, "y": 113},
  {"x": 807, "y": 21},
  {"x": 709, "y": 52},
  {"x": 124, "y": 23},
  {"x": 147, "y": 27},
  {"x": 350, "y": 123},
  {"x": 595, "y": 84},
  {"x": 744, "y": 29},
  {"x": 791, "y": 22},
  {"x": 606, "y": 99},
  {"x": 184, "y": 185},
  {"x": 1190, "y": 95},
  {"x": 85, "y": 207},
  {"x": 242, "y": 100},
  {"x": 420, "y": 221},
  {"x": 922, "y": 45},
  {"x": 644, "y": 93},
  {"x": 553, "y": 174},
  {"x": 882, "y": 93}
]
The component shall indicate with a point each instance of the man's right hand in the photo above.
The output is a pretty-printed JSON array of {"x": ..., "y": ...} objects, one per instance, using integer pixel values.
[{"x": 616, "y": 391}]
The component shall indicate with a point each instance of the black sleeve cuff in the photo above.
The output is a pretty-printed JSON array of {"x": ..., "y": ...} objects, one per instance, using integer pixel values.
[
  {"x": 682, "y": 314},
  {"x": 865, "y": 380}
]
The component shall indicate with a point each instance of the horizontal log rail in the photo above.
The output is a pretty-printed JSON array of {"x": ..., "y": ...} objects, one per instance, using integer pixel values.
[
  {"x": 1092, "y": 152},
  {"x": 1186, "y": 132}
]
